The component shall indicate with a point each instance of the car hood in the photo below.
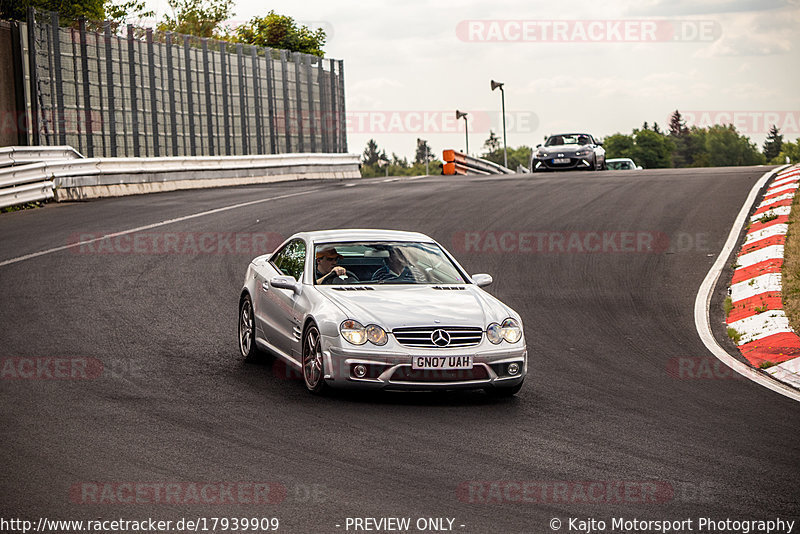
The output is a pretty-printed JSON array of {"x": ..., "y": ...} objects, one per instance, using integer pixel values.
[
  {"x": 565, "y": 149},
  {"x": 408, "y": 305}
]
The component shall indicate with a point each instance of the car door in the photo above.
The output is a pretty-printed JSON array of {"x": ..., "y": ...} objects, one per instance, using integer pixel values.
[{"x": 275, "y": 307}]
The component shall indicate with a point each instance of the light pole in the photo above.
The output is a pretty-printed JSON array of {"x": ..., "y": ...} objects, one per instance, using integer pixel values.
[
  {"x": 495, "y": 85},
  {"x": 460, "y": 114}
]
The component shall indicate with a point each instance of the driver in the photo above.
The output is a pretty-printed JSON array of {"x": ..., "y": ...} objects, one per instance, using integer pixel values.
[{"x": 327, "y": 272}]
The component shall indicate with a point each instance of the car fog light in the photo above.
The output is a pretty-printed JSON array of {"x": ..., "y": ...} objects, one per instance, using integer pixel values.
[
  {"x": 513, "y": 368},
  {"x": 360, "y": 370}
]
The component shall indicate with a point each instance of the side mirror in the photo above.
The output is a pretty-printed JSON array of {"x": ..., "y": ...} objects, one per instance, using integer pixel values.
[
  {"x": 482, "y": 279},
  {"x": 639, "y": 168},
  {"x": 285, "y": 282}
]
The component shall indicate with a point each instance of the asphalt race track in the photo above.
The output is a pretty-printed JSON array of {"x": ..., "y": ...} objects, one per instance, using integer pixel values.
[{"x": 607, "y": 326}]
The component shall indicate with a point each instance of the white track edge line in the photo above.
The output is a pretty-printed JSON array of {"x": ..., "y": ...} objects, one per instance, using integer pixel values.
[
  {"x": 702, "y": 303},
  {"x": 150, "y": 226}
]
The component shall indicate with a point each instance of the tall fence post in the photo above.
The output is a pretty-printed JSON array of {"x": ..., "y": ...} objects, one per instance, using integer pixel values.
[
  {"x": 225, "y": 111},
  {"x": 312, "y": 119},
  {"x": 257, "y": 100},
  {"x": 334, "y": 109},
  {"x": 87, "y": 94},
  {"x": 299, "y": 101},
  {"x": 112, "y": 108},
  {"x": 173, "y": 119},
  {"x": 243, "y": 123},
  {"x": 34, "y": 85},
  {"x": 151, "y": 74},
  {"x": 323, "y": 108},
  {"x": 209, "y": 114},
  {"x": 133, "y": 89},
  {"x": 59, "y": 85},
  {"x": 189, "y": 99},
  {"x": 342, "y": 111},
  {"x": 273, "y": 142},
  {"x": 286, "y": 109}
]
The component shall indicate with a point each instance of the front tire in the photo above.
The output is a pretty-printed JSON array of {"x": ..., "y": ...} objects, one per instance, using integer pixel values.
[
  {"x": 313, "y": 363},
  {"x": 247, "y": 331}
]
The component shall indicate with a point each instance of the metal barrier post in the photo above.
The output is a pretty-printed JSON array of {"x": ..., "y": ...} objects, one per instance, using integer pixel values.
[
  {"x": 133, "y": 89},
  {"x": 225, "y": 113},
  {"x": 273, "y": 142}
]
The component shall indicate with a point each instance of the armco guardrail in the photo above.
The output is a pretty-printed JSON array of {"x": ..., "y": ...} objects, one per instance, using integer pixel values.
[
  {"x": 460, "y": 163},
  {"x": 20, "y": 155},
  {"x": 76, "y": 179}
]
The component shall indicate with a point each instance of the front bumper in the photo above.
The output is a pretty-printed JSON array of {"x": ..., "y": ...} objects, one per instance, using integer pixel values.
[
  {"x": 581, "y": 163},
  {"x": 391, "y": 369}
]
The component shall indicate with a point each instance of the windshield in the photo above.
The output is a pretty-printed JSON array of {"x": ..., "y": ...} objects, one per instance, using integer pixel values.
[
  {"x": 384, "y": 263},
  {"x": 568, "y": 139}
]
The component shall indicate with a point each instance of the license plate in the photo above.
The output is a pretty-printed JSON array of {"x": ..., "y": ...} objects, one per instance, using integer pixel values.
[
  {"x": 558, "y": 161},
  {"x": 445, "y": 363}
]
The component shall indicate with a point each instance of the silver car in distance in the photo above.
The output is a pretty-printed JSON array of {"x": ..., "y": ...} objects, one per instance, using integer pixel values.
[{"x": 403, "y": 315}]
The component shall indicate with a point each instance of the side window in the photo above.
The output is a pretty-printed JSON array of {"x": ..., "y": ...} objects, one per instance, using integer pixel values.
[{"x": 291, "y": 259}]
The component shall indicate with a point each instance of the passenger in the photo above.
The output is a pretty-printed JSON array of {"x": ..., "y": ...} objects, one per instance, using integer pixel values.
[{"x": 397, "y": 269}]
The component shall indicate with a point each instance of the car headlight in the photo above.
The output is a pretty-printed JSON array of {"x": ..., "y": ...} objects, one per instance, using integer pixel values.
[
  {"x": 357, "y": 334},
  {"x": 376, "y": 334},
  {"x": 511, "y": 330},
  {"x": 494, "y": 333},
  {"x": 353, "y": 331}
]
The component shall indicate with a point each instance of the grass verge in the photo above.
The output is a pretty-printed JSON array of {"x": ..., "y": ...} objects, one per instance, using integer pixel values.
[{"x": 790, "y": 272}]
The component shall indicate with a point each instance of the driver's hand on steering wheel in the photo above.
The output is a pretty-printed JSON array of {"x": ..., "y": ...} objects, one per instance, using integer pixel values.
[{"x": 339, "y": 271}]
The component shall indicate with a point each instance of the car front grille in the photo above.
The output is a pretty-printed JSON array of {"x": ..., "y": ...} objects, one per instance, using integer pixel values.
[
  {"x": 460, "y": 336},
  {"x": 407, "y": 374}
]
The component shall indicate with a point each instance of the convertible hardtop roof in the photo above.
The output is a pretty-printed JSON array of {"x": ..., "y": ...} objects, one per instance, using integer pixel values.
[
  {"x": 573, "y": 133},
  {"x": 331, "y": 236}
]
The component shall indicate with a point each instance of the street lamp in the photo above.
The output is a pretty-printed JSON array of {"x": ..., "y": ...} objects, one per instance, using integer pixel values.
[
  {"x": 495, "y": 85},
  {"x": 460, "y": 114}
]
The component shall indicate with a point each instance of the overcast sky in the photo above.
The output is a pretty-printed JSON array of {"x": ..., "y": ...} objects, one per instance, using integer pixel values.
[{"x": 599, "y": 67}]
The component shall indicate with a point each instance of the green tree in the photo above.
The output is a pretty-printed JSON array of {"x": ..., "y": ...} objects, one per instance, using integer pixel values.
[
  {"x": 118, "y": 12},
  {"x": 492, "y": 143},
  {"x": 68, "y": 10},
  {"x": 679, "y": 135},
  {"x": 773, "y": 144},
  {"x": 788, "y": 150},
  {"x": 197, "y": 17},
  {"x": 727, "y": 148},
  {"x": 652, "y": 150},
  {"x": 696, "y": 148},
  {"x": 619, "y": 146},
  {"x": 372, "y": 154},
  {"x": 516, "y": 156},
  {"x": 423, "y": 153},
  {"x": 280, "y": 31}
]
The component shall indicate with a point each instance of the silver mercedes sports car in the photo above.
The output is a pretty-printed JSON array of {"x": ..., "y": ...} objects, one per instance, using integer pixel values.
[{"x": 379, "y": 309}]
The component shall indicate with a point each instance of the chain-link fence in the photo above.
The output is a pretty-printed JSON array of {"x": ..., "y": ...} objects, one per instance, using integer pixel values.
[{"x": 141, "y": 92}]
